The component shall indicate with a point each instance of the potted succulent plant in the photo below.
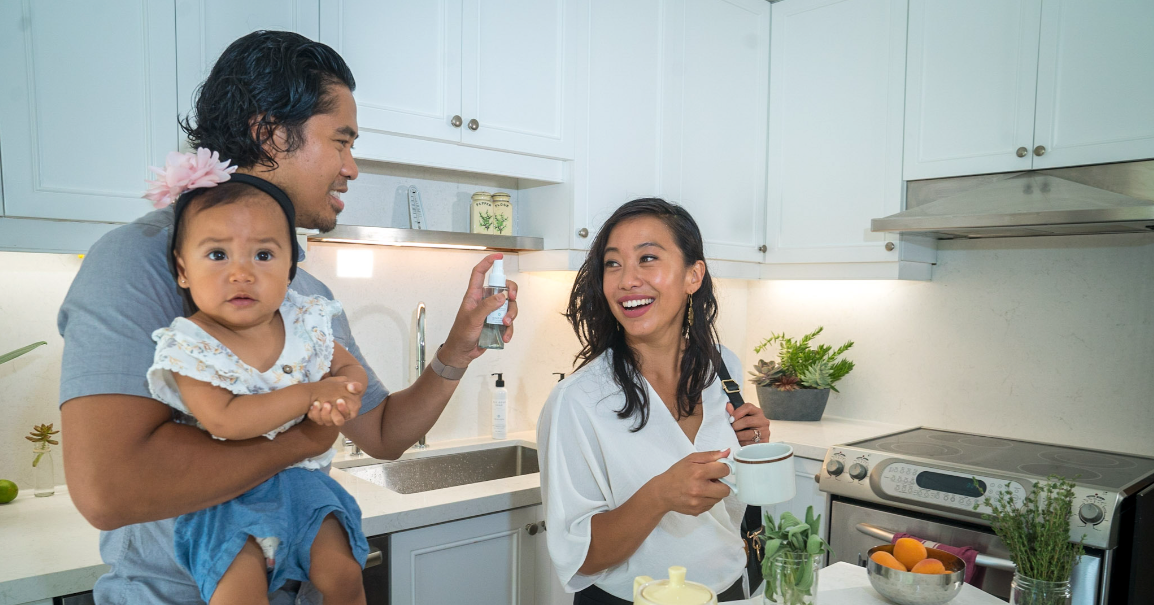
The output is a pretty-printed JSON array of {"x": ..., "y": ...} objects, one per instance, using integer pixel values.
[
  {"x": 1036, "y": 530},
  {"x": 794, "y": 552},
  {"x": 796, "y": 386}
]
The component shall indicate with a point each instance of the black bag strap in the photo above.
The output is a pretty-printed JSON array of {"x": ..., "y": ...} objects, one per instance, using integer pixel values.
[
  {"x": 728, "y": 384},
  {"x": 733, "y": 390}
]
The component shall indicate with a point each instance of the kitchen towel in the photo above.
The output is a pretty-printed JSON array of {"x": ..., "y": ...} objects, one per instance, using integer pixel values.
[{"x": 974, "y": 574}]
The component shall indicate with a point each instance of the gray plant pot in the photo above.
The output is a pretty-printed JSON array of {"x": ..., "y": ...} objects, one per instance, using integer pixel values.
[{"x": 802, "y": 404}]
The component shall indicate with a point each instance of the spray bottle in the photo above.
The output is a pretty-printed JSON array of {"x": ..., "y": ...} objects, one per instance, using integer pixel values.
[{"x": 493, "y": 332}]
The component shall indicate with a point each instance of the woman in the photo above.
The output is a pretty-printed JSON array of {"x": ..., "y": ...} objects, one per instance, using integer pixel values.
[{"x": 629, "y": 442}]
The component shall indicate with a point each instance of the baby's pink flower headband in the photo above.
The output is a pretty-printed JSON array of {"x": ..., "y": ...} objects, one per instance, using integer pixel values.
[{"x": 184, "y": 171}]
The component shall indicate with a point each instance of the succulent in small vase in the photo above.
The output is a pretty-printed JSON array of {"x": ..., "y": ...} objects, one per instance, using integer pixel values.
[
  {"x": 41, "y": 437},
  {"x": 794, "y": 552}
]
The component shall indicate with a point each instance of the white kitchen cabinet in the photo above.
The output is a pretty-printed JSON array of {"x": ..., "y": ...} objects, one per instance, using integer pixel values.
[
  {"x": 482, "y": 73},
  {"x": 673, "y": 104},
  {"x": 1001, "y": 86},
  {"x": 972, "y": 71},
  {"x": 87, "y": 104},
  {"x": 837, "y": 77},
  {"x": 808, "y": 495},
  {"x": 1095, "y": 83},
  {"x": 713, "y": 141},
  {"x": 488, "y": 559},
  {"x": 204, "y": 28}
]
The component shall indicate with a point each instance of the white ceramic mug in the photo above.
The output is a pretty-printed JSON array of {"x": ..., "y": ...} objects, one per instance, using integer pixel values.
[{"x": 761, "y": 473}]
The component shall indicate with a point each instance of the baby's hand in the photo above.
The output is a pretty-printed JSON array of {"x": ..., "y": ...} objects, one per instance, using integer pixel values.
[{"x": 336, "y": 400}]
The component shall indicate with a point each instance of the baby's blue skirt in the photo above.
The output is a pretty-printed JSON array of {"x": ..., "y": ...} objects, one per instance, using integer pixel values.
[{"x": 290, "y": 506}]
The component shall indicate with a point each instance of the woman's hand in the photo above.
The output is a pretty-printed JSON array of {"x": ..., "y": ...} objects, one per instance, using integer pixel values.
[
  {"x": 460, "y": 346},
  {"x": 691, "y": 486},
  {"x": 750, "y": 423}
]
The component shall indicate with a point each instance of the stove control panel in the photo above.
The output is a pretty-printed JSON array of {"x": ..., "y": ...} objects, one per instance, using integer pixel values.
[
  {"x": 962, "y": 491},
  {"x": 938, "y": 489}
]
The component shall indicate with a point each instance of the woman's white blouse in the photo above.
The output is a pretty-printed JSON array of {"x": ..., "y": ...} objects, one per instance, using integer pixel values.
[{"x": 592, "y": 463}]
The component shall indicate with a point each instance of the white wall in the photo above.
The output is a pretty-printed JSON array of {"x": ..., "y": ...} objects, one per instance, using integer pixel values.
[{"x": 1048, "y": 339}]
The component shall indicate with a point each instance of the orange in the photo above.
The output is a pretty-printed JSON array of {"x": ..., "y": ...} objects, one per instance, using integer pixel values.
[
  {"x": 929, "y": 566},
  {"x": 909, "y": 551},
  {"x": 885, "y": 559}
]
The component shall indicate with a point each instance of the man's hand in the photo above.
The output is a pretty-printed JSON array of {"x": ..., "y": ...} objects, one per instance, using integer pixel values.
[{"x": 460, "y": 346}]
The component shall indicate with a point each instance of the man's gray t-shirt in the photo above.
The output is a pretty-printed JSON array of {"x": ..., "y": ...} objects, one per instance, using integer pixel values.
[{"x": 123, "y": 292}]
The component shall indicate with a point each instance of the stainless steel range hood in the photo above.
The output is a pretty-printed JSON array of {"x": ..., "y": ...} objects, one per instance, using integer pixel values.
[{"x": 1107, "y": 198}]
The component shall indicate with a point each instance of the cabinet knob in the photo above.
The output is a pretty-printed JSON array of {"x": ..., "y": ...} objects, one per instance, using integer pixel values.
[
  {"x": 762, "y": 248},
  {"x": 583, "y": 232},
  {"x": 1022, "y": 151},
  {"x": 474, "y": 124},
  {"x": 456, "y": 121},
  {"x": 889, "y": 246},
  {"x": 532, "y": 528},
  {"x": 1040, "y": 150}
]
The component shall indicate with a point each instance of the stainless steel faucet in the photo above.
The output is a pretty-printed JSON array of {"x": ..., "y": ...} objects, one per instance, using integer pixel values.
[
  {"x": 356, "y": 450},
  {"x": 420, "y": 359}
]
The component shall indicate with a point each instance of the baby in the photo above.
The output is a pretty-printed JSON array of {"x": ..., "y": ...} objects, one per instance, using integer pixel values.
[{"x": 251, "y": 360}]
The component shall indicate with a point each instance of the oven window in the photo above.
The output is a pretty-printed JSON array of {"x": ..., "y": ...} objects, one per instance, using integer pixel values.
[{"x": 963, "y": 486}]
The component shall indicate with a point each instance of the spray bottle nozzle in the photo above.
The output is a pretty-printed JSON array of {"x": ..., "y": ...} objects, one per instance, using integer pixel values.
[{"x": 500, "y": 379}]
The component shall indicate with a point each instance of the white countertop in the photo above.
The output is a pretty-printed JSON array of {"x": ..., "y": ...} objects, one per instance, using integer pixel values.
[
  {"x": 49, "y": 549},
  {"x": 846, "y": 584},
  {"x": 812, "y": 439}
]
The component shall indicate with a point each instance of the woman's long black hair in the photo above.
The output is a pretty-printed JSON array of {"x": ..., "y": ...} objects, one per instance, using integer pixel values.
[
  {"x": 270, "y": 80},
  {"x": 597, "y": 329}
]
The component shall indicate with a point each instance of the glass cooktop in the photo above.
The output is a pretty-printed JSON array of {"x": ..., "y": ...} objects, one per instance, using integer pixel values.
[{"x": 1104, "y": 469}]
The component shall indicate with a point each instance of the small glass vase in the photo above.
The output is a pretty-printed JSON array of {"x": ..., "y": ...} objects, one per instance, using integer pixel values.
[
  {"x": 1028, "y": 591},
  {"x": 792, "y": 579},
  {"x": 43, "y": 470}
]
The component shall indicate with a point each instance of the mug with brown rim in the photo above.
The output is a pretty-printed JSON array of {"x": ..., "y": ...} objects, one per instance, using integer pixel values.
[{"x": 761, "y": 474}]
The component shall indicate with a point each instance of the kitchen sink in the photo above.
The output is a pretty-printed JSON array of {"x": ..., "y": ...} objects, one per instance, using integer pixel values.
[{"x": 437, "y": 472}]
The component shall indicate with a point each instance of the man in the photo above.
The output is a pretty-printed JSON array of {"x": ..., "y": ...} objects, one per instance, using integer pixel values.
[{"x": 280, "y": 107}]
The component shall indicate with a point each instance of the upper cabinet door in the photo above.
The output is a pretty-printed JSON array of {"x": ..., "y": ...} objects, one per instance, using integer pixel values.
[
  {"x": 406, "y": 58},
  {"x": 204, "y": 28},
  {"x": 618, "y": 148},
  {"x": 716, "y": 82},
  {"x": 1095, "y": 83},
  {"x": 970, "y": 87},
  {"x": 87, "y": 104},
  {"x": 517, "y": 58},
  {"x": 835, "y": 132}
]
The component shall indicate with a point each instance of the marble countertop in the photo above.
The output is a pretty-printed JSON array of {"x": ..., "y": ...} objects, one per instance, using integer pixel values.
[
  {"x": 846, "y": 584},
  {"x": 51, "y": 550}
]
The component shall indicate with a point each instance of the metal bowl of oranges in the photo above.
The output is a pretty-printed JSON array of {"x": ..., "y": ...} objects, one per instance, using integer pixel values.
[{"x": 915, "y": 575}]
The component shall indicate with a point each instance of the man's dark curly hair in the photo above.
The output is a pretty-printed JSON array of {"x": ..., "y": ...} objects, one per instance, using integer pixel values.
[{"x": 269, "y": 79}]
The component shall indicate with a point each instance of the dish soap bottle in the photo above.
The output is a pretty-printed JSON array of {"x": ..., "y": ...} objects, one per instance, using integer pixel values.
[
  {"x": 500, "y": 406},
  {"x": 493, "y": 332}
]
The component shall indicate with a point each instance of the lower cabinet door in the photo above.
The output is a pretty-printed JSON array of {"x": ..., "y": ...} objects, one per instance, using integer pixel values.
[
  {"x": 493, "y": 559},
  {"x": 808, "y": 495}
]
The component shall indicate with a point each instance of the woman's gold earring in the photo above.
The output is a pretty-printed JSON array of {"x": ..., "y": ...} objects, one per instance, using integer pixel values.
[{"x": 691, "y": 310}]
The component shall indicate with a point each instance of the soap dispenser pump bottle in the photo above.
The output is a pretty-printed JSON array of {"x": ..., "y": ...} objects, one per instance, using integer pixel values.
[
  {"x": 500, "y": 406},
  {"x": 493, "y": 332}
]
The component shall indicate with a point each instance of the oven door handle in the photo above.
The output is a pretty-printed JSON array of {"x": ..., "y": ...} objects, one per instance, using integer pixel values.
[
  {"x": 983, "y": 560},
  {"x": 376, "y": 557}
]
